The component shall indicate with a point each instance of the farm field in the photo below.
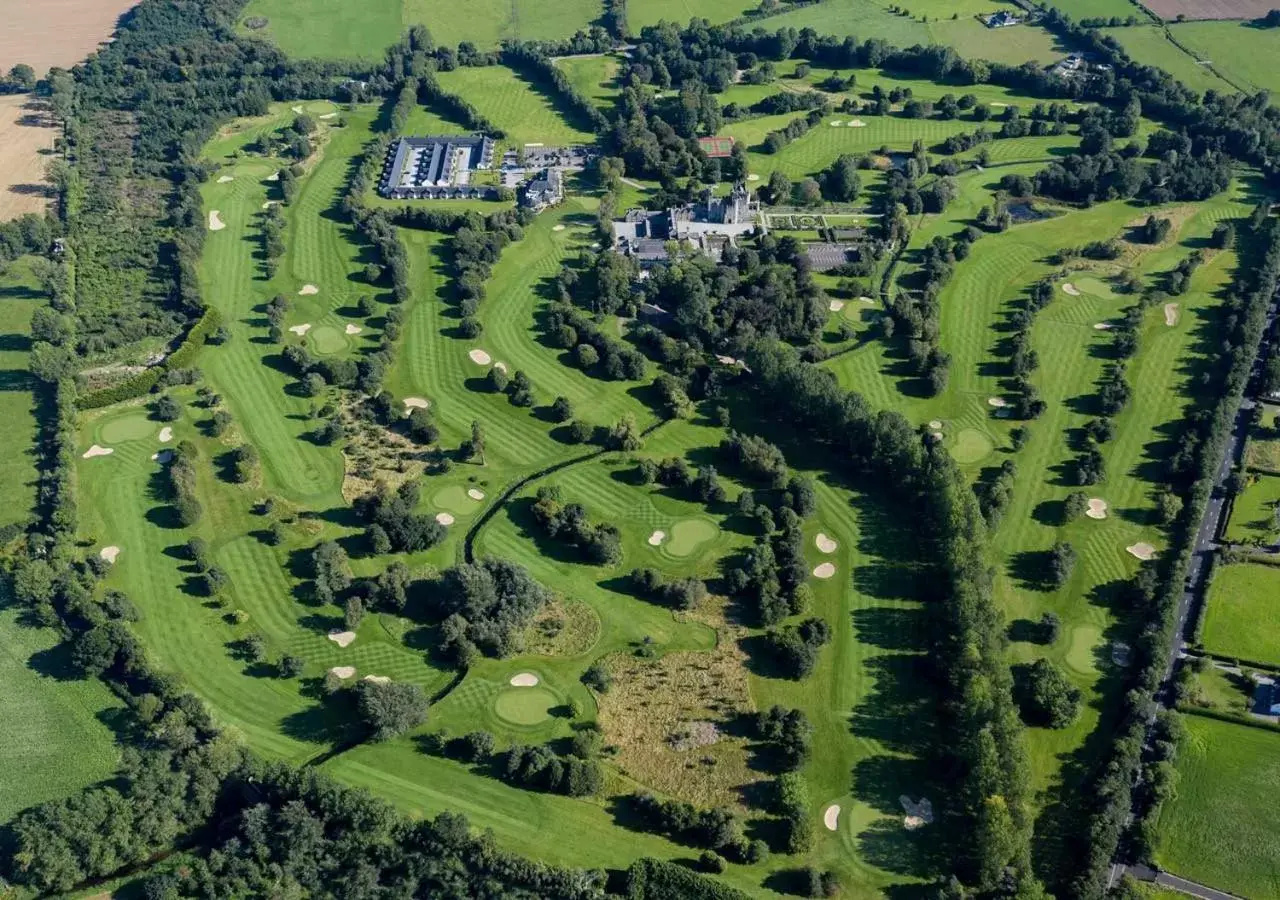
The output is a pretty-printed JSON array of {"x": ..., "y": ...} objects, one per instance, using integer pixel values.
[
  {"x": 1102, "y": 9},
  {"x": 1150, "y": 45},
  {"x": 1208, "y": 9},
  {"x": 1241, "y": 619},
  {"x": 1217, "y": 828},
  {"x": 1253, "y": 513},
  {"x": 19, "y": 297},
  {"x": 1244, "y": 54},
  {"x": 650, "y": 12},
  {"x": 327, "y": 29},
  {"x": 58, "y": 739},
  {"x": 55, "y": 32},
  {"x": 1014, "y": 45},
  {"x": 26, "y": 145}
]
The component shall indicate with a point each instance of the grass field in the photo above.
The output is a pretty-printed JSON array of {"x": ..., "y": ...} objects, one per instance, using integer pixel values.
[
  {"x": 1253, "y": 514},
  {"x": 861, "y": 18},
  {"x": 1263, "y": 450},
  {"x": 595, "y": 77},
  {"x": 57, "y": 737},
  {"x": 1100, "y": 9},
  {"x": 1219, "y": 827},
  {"x": 19, "y": 297},
  {"x": 1013, "y": 45},
  {"x": 527, "y": 115},
  {"x": 1150, "y": 45},
  {"x": 1244, "y": 54},
  {"x": 328, "y": 29},
  {"x": 650, "y": 12},
  {"x": 1241, "y": 616}
]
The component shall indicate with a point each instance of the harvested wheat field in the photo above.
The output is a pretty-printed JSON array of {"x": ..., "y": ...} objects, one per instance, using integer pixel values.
[
  {"x": 55, "y": 32},
  {"x": 27, "y": 131}
]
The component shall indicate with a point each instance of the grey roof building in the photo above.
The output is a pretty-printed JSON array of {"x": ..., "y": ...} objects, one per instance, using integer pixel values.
[
  {"x": 545, "y": 190},
  {"x": 418, "y": 167}
]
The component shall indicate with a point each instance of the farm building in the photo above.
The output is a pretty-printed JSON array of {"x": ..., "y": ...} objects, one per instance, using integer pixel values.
[
  {"x": 711, "y": 225},
  {"x": 1002, "y": 19},
  {"x": 429, "y": 168}
]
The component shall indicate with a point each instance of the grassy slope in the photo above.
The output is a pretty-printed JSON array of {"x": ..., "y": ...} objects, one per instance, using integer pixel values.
[
  {"x": 595, "y": 77},
  {"x": 650, "y": 12},
  {"x": 19, "y": 298},
  {"x": 488, "y": 22},
  {"x": 526, "y": 115},
  {"x": 1219, "y": 828},
  {"x": 1241, "y": 617},
  {"x": 1244, "y": 54}
]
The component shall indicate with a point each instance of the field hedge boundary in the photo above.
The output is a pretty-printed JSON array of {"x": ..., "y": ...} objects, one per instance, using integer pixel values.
[
  {"x": 1233, "y": 718},
  {"x": 144, "y": 382},
  {"x": 654, "y": 879}
]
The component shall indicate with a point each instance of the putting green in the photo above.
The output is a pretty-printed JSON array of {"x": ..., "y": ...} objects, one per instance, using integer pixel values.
[
  {"x": 1094, "y": 287},
  {"x": 454, "y": 499},
  {"x": 132, "y": 427},
  {"x": 688, "y": 535},
  {"x": 1080, "y": 651},
  {"x": 971, "y": 446},
  {"x": 524, "y": 705},
  {"x": 327, "y": 340}
]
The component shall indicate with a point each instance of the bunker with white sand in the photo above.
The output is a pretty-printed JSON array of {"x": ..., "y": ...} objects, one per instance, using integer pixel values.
[
  {"x": 824, "y": 571},
  {"x": 1097, "y": 508},
  {"x": 96, "y": 450},
  {"x": 479, "y": 357},
  {"x": 824, "y": 543},
  {"x": 831, "y": 817},
  {"x": 215, "y": 221},
  {"x": 524, "y": 679},
  {"x": 342, "y": 638},
  {"x": 109, "y": 553}
]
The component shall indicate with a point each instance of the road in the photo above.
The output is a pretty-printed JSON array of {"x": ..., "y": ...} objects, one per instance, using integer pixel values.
[{"x": 1172, "y": 882}]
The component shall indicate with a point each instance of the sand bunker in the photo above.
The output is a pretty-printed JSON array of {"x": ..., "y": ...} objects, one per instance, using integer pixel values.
[
  {"x": 524, "y": 679},
  {"x": 353, "y": 329},
  {"x": 444, "y": 518},
  {"x": 725, "y": 360},
  {"x": 416, "y": 403},
  {"x": 215, "y": 221},
  {"x": 1097, "y": 508},
  {"x": 309, "y": 290},
  {"x": 109, "y": 553},
  {"x": 342, "y": 638},
  {"x": 856, "y": 123},
  {"x": 1071, "y": 290},
  {"x": 831, "y": 817},
  {"x": 657, "y": 538},
  {"x": 1142, "y": 550},
  {"x": 865, "y": 300},
  {"x": 936, "y": 435},
  {"x": 475, "y": 493},
  {"x": 997, "y": 402},
  {"x": 1103, "y": 326},
  {"x": 343, "y": 672},
  {"x": 1171, "y": 314},
  {"x": 166, "y": 434},
  {"x": 96, "y": 450},
  {"x": 225, "y": 179},
  {"x": 918, "y": 814},
  {"x": 270, "y": 203},
  {"x": 297, "y": 110},
  {"x": 997, "y": 104},
  {"x": 753, "y": 177},
  {"x": 163, "y": 456},
  {"x": 824, "y": 571},
  {"x": 935, "y": 424},
  {"x": 595, "y": 245},
  {"x": 835, "y": 305},
  {"x": 836, "y": 124},
  {"x": 480, "y": 358},
  {"x": 274, "y": 177},
  {"x": 300, "y": 330},
  {"x": 825, "y": 544},
  {"x": 377, "y": 679},
  {"x": 329, "y": 116},
  {"x": 500, "y": 366},
  {"x": 557, "y": 227}
]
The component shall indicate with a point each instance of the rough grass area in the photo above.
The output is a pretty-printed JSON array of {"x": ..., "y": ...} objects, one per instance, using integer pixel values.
[
  {"x": 1150, "y": 45},
  {"x": 57, "y": 738},
  {"x": 1241, "y": 617},
  {"x": 650, "y": 12},
  {"x": 1100, "y": 9},
  {"x": 1263, "y": 450},
  {"x": 1220, "y": 827},
  {"x": 487, "y": 23},
  {"x": 20, "y": 296},
  {"x": 1254, "y": 516}
]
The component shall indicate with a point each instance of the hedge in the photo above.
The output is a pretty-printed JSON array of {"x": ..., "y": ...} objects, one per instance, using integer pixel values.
[
  {"x": 653, "y": 879},
  {"x": 142, "y": 383}
]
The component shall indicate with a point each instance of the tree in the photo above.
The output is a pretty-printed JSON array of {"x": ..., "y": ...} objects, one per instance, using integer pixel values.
[
  {"x": 1046, "y": 696},
  {"x": 561, "y": 410},
  {"x": 291, "y": 666},
  {"x": 390, "y": 709},
  {"x": 779, "y": 188},
  {"x": 597, "y": 677},
  {"x": 809, "y": 193},
  {"x": 331, "y": 570},
  {"x": 1074, "y": 506},
  {"x": 1062, "y": 561}
]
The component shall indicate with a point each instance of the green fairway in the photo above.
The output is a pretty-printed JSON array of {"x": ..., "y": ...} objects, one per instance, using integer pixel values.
[
  {"x": 1241, "y": 616},
  {"x": 527, "y": 115},
  {"x": 57, "y": 737},
  {"x": 132, "y": 427},
  {"x": 1219, "y": 828},
  {"x": 19, "y": 298},
  {"x": 328, "y": 29},
  {"x": 524, "y": 705},
  {"x": 1151, "y": 45},
  {"x": 1254, "y": 515},
  {"x": 595, "y": 77},
  {"x": 688, "y": 535}
]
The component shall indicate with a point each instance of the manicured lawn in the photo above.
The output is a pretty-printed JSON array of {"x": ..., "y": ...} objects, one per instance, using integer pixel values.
[
  {"x": 1253, "y": 514},
  {"x": 57, "y": 737},
  {"x": 1219, "y": 828},
  {"x": 595, "y": 77},
  {"x": 1242, "y": 617},
  {"x": 1014, "y": 45},
  {"x": 486, "y": 23},
  {"x": 20, "y": 296},
  {"x": 861, "y": 18},
  {"x": 1149, "y": 44},
  {"x": 528, "y": 116}
]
